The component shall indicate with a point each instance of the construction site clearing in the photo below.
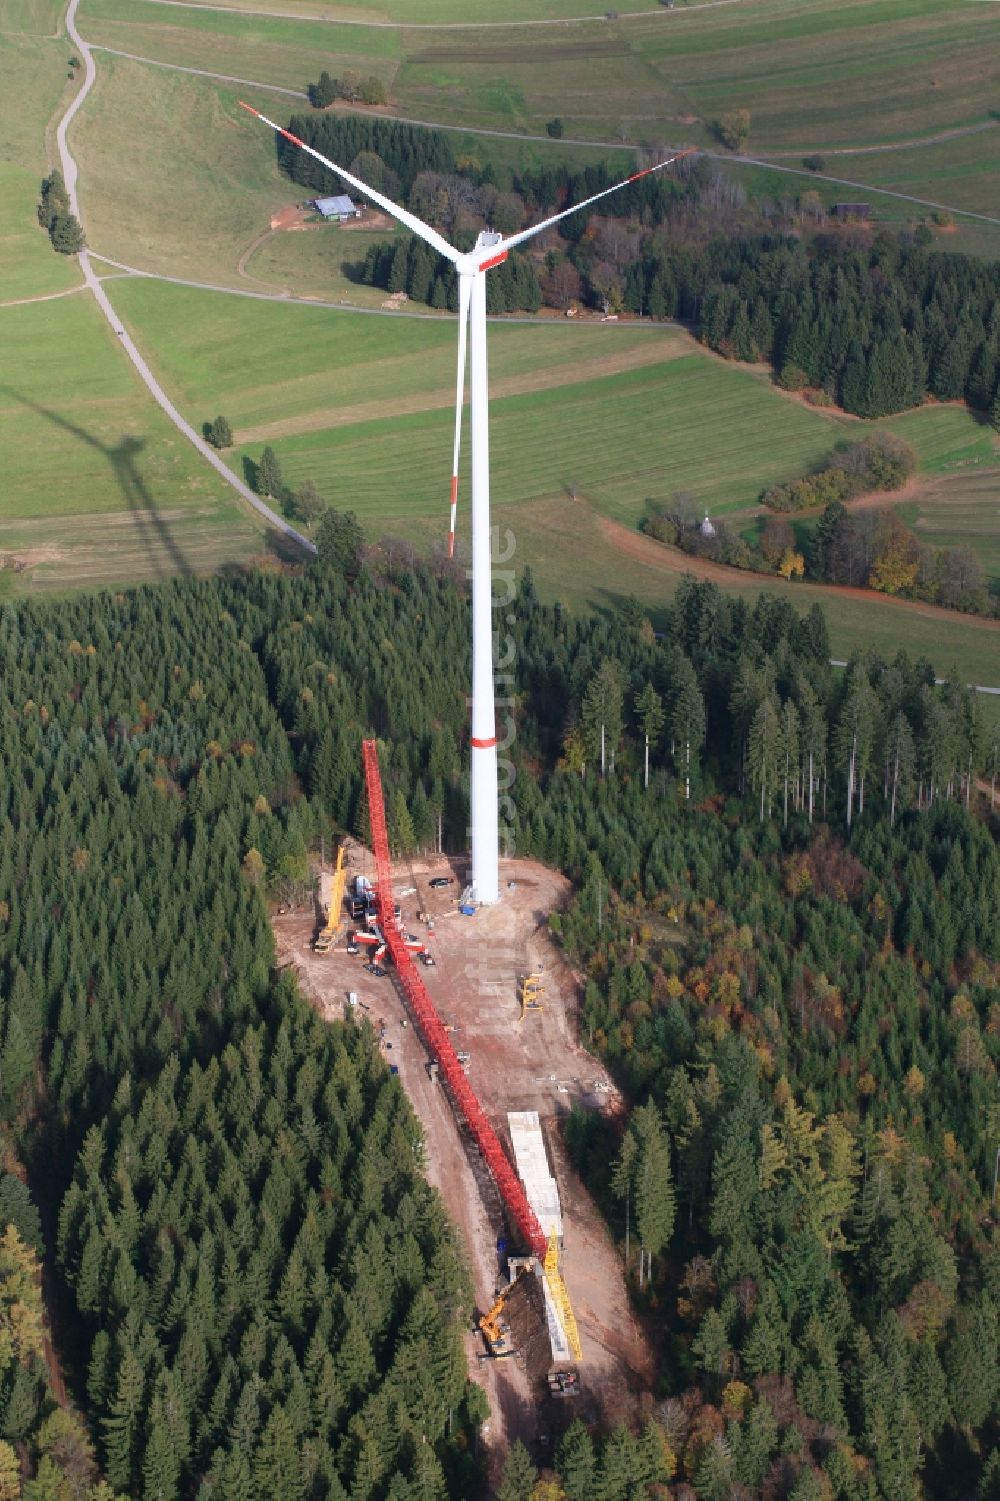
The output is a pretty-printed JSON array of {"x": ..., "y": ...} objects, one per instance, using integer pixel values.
[{"x": 508, "y": 1002}]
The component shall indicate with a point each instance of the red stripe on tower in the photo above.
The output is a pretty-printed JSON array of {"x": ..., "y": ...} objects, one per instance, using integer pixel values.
[{"x": 483, "y": 744}]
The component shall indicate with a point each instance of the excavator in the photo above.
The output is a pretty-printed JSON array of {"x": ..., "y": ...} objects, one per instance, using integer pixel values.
[
  {"x": 494, "y": 1325},
  {"x": 331, "y": 897}
]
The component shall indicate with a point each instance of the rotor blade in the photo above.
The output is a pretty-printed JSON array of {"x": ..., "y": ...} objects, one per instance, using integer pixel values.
[
  {"x": 403, "y": 215},
  {"x": 500, "y": 251},
  {"x": 464, "y": 298}
]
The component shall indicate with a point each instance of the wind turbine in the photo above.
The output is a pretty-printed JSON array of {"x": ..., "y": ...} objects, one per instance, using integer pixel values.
[{"x": 490, "y": 249}]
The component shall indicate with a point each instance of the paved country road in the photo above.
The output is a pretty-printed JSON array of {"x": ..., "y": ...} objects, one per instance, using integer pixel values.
[{"x": 70, "y": 176}]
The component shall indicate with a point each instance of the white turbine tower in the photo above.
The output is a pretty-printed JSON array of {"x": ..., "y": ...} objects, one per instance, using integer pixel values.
[{"x": 490, "y": 250}]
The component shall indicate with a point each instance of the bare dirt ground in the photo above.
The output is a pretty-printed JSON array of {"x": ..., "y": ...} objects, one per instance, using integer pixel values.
[
  {"x": 534, "y": 1064},
  {"x": 290, "y": 217}
]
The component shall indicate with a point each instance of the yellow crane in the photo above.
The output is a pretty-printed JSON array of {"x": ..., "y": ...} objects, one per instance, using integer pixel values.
[
  {"x": 560, "y": 1297},
  {"x": 331, "y": 896}
]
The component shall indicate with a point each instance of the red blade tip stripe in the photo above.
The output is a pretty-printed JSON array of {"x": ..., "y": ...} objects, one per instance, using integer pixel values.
[
  {"x": 495, "y": 261},
  {"x": 646, "y": 170},
  {"x": 249, "y": 108},
  {"x": 289, "y": 137},
  {"x": 451, "y": 544},
  {"x": 454, "y": 488}
]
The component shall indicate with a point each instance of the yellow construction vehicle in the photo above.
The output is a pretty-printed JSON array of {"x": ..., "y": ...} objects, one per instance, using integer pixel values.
[
  {"x": 530, "y": 992},
  {"x": 495, "y": 1328},
  {"x": 331, "y": 900}
]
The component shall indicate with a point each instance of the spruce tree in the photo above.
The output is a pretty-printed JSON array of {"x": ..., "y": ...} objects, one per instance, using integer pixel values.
[
  {"x": 269, "y": 474},
  {"x": 654, "y": 1189},
  {"x": 577, "y": 1463},
  {"x": 519, "y": 1475},
  {"x": 649, "y": 711}
]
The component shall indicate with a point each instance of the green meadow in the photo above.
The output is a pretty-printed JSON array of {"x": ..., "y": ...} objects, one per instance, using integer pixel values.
[
  {"x": 815, "y": 74},
  {"x": 33, "y": 81},
  {"x": 961, "y": 509},
  {"x": 362, "y": 405},
  {"x": 97, "y": 485}
]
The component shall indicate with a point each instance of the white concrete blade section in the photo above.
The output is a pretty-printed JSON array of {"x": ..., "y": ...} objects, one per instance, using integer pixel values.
[{"x": 543, "y": 1196}]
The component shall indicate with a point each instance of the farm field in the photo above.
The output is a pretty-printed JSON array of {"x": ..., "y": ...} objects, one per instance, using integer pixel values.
[
  {"x": 98, "y": 487},
  {"x": 815, "y": 74},
  {"x": 318, "y": 261},
  {"x": 375, "y": 13},
  {"x": 363, "y": 407},
  {"x": 961, "y": 510},
  {"x": 32, "y": 82},
  {"x": 608, "y": 567},
  {"x": 630, "y": 413},
  {"x": 216, "y": 179},
  {"x": 963, "y": 171},
  {"x": 276, "y": 51},
  {"x": 34, "y": 18},
  {"x": 339, "y": 387}
]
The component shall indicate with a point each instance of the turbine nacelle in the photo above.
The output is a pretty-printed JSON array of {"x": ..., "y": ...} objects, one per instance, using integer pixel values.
[{"x": 480, "y": 258}]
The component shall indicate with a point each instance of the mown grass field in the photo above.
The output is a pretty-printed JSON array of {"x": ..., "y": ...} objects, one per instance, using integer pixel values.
[
  {"x": 290, "y": 53},
  {"x": 174, "y": 176},
  {"x": 551, "y": 531},
  {"x": 963, "y": 172},
  {"x": 319, "y": 261},
  {"x": 621, "y": 437},
  {"x": 35, "y": 18},
  {"x": 961, "y": 509},
  {"x": 336, "y": 387},
  {"x": 815, "y": 74},
  {"x": 423, "y": 12},
  {"x": 98, "y": 487},
  {"x": 33, "y": 80},
  {"x": 336, "y": 396}
]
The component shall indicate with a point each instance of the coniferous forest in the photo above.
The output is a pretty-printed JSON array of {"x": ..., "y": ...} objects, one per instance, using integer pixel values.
[
  {"x": 875, "y": 321},
  {"x": 785, "y": 908}
]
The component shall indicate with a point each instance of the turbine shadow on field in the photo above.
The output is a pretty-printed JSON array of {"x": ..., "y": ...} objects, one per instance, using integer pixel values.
[{"x": 155, "y": 533}]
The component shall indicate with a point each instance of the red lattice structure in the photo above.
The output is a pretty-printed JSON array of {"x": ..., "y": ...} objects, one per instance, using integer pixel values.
[{"x": 431, "y": 1028}]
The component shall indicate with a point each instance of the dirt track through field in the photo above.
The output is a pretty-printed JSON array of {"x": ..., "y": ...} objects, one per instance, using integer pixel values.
[
  {"x": 655, "y": 352},
  {"x": 671, "y": 560}
]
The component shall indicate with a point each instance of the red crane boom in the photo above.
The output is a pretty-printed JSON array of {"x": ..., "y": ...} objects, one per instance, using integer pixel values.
[{"x": 430, "y": 1024}]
